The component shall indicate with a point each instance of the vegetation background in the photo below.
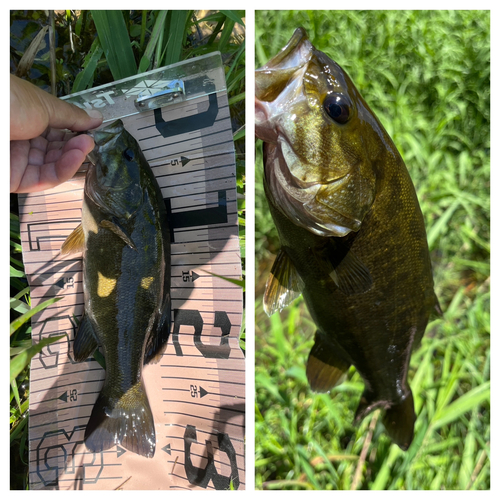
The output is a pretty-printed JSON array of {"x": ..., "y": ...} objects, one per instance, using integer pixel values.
[
  {"x": 68, "y": 51},
  {"x": 426, "y": 75}
]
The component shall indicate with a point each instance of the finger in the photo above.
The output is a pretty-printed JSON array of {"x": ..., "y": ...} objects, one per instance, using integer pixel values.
[
  {"x": 63, "y": 115},
  {"x": 40, "y": 178},
  {"x": 69, "y": 163},
  {"x": 83, "y": 142},
  {"x": 37, "y": 157},
  {"x": 39, "y": 143},
  {"x": 54, "y": 134},
  {"x": 32, "y": 110},
  {"x": 33, "y": 170},
  {"x": 19, "y": 151},
  {"x": 60, "y": 165},
  {"x": 56, "y": 149},
  {"x": 53, "y": 155}
]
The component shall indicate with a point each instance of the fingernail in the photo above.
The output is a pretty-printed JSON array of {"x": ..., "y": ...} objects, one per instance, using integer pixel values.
[{"x": 93, "y": 113}]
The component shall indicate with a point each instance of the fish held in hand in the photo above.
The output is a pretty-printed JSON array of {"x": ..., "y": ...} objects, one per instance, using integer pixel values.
[
  {"x": 352, "y": 234},
  {"x": 124, "y": 237}
]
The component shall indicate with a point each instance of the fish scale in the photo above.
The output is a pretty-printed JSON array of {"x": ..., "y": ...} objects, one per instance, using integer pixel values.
[
  {"x": 357, "y": 250},
  {"x": 124, "y": 237}
]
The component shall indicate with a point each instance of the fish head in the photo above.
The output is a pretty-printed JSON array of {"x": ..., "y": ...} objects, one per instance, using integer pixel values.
[
  {"x": 322, "y": 140},
  {"x": 114, "y": 177}
]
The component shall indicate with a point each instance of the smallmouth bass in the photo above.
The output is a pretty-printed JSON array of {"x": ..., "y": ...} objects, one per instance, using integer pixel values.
[
  {"x": 124, "y": 237},
  {"x": 352, "y": 234}
]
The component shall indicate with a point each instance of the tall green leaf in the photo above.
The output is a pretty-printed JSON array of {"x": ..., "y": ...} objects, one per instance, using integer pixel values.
[
  {"x": 115, "y": 42},
  {"x": 175, "y": 36},
  {"x": 155, "y": 35},
  {"x": 226, "y": 34},
  {"x": 234, "y": 16},
  {"x": 463, "y": 404},
  {"x": 27, "y": 315},
  {"x": 19, "y": 363},
  {"x": 85, "y": 78}
]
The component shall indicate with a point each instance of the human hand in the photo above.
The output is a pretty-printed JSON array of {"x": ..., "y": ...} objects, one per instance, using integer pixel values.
[{"x": 42, "y": 155}]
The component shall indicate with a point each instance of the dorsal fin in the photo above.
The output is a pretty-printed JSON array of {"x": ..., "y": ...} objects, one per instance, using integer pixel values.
[
  {"x": 436, "y": 312},
  {"x": 283, "y": 285}
]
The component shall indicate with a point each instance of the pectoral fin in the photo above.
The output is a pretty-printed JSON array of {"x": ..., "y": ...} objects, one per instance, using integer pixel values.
[
  {"x": 85, "y": 341},
  {"x": 325, "y": 366},
  {"x": 283, "y": 285},
  {"x": 115, "y": 227},
  {"x": 159, "y": 335},
  {"x": 349, "y": 273},
  {"x": 75, "y": 242}
]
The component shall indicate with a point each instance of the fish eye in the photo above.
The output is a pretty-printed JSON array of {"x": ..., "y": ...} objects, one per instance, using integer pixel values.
[
  {"x": 128, "y": 154},
  {"x": 337, "y": 107}
]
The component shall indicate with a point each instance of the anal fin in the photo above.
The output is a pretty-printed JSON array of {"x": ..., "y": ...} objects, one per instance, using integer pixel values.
[
  {"x": 85, "y": 341},
  {"x": 325, "y": 367},
  {"x": 283, "y": 286}
]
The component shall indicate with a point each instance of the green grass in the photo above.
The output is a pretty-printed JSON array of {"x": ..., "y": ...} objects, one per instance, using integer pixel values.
[
  {"x": 427, "y": 77},
  {"x": 110, "y": 45}
]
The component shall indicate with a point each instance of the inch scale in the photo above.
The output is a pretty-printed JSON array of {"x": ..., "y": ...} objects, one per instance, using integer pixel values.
[{"x": 197, "y": 389}]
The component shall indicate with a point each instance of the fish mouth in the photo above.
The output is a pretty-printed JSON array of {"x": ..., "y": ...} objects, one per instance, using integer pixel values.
[
  {"x": 288, "y": 54},
  {"x": 104, "y": 139},
  {"x": 107, "y": 135},
  {"x": 279, "y": 82},
  {"x": 305, "y": 187},
  {"x": 272, "y": 78}
]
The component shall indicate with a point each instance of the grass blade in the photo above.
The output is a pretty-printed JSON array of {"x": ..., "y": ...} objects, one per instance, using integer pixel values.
[
  {"x": 18, "y": 322},
  {"x": 85, "y": 78},
  {"x": 240, "y": 283},
  {"x": 158, "y": 28},
  {"x": 234, "y": 16},
  {"x": 20, "y": 362},
  {"x": 175, "y": 37},
  {"x": 441, "y": 224},
  {"x": 115, "y": 42},
  {"x": 226, "y": 34},
  {"x": 463, "y": 404}
]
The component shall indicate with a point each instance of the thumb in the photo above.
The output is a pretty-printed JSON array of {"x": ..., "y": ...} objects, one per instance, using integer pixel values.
[
  {"x": 64, "y": 115},
  {"x": 32, "y": 110}
]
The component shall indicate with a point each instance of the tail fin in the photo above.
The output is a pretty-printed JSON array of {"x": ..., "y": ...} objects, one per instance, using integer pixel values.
[
  {"x": 399, "y": 418},
  {"x": 127, "y": 421},
  {"x": 399, "y": 421}
]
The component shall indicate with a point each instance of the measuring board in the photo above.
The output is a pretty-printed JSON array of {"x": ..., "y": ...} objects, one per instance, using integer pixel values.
[{"x": 197, "y": 390}]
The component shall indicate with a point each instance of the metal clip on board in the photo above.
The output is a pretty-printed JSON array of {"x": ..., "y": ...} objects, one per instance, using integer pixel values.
[{"x": 173, "y": 92}]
